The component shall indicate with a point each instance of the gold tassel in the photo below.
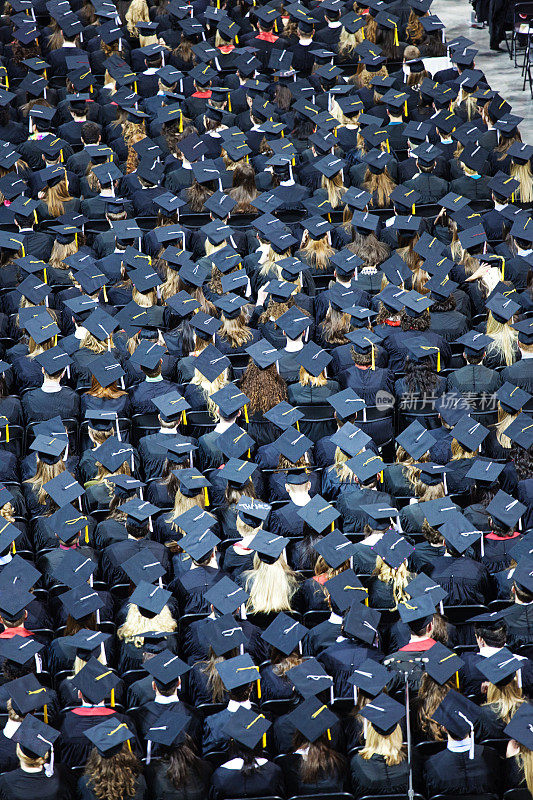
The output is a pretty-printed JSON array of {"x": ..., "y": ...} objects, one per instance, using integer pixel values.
[
  {"x": 264, "y": 741},
  {"x": 438, "y": 360},
  {"x": 381, "y": 476},
  {"x": 457, "y": 680},
  {"x": 44, "y": 273},
  {"x": 112, "y": 698},
  {"x": 105, "y": 293},
  {"x": 397, "y": 43},
  {"x": 55, "y": 340},
  {"x": 332, "y": 527},
  {"x": 14, "y": 548},
  {"x": 405, "y": 106},
  {"x": 183, "y": 417},
  {"x": 413, "y": 209},
  {"x": 86, "y": 534},
  {"x": 229, "y": 102},
  {"x": 181, "y": 121},
  {"x": 45, "y": 714},
  {"x": 246, "y": 413},
  {"x": 373, "y": 358},
  {"x": 129, "y": 746},
  {"x": 206, "y": 496},
  {"x": 258, "y": 689},
  {"x": 329, "y": 734},
  {"x": 297, "y": 426},
  {"x": 7, "y": 432}
]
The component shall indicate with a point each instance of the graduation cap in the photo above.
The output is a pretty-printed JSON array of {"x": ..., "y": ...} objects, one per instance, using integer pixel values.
[
  {"x": 199, "y": 545},
  {"x": 525, "y": 330},
  {"x": 204, "y": 325},
  {"x": 423, "y": 585},
  {"x": 264, "y": 355},
  {"x": 36, "y": 739},
  {"x": 166, "y": 668},
  {"x": 20, "y": 649},
  {"x": 109, "y": 737},
  {"x": 417, "y": 612},
  {"x": 361, "y": 622},
  {"x": 370, "y": 677},
  {"x": 63, "y": 489},
  {"x": 318, "y": 513},
  {"x": 231, "y": 305},
  {"x": 268, "y": 546},
  {"x": 95, "y": 681},
  {"x": 226, "y": 596},
  {"x": 503, "y": 185},
  {"x": 512, "y": 398},
  {"x": 521, "y": 431},
  {"x": 383, "y": 713},
  {"x": 238, "y": 472},
  {"x": 520, "y": 726},
  {"x": 366, "y": 465},
  {"x": 169, "y": 729},
  {"x": 150, "y": 599},
  {"x": 27, "y": 694},
  {"x": 284, "y": 633},
  {"x": 234, "y": 442},
  {"x": 238, "y": 671},
  {"x": 292, "y": 444},
  {"x": 113, "y": 453},
  {"x": 18, "y": 572},
  {"x": 522, "y": 228},
  {"x": 247, "y": 727},
  {"x": 106, "y": 369},
  {"x": 506, "y": 509},
  {"x": 251, "y": 511},
  {"x": 393, "y": 548},
  {"x": 441, "y": 663},
  {"x": 211, "y": 363},
  {"x": 416, "y": 440},
  {"x": 474, "y": 342},
  {"x": 191, "y": 481},
  {"x": 309, "y": 678},
  {"x": 312, "y": 718},
  {"x": 458, "y": 715},
  {"x": 469, "y": 433},
  {"x": 223, "y": 634},
  {"x": 141, "y": 566},
  {"x": 313, "y": 359},
  {"x": 501, "y": 667},
  {"x": 345, "y": 589},
  {"x": 81, "y": 601},
  {"x": 335, "y": 549},
  {"x": 459, "y": 533}
]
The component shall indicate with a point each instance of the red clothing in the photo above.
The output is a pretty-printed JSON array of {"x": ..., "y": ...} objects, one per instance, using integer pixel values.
[
  {"x": 497, "y": 538},
  {"x": 92, "y": 711},
  {"x": 425, "y": 644},
  {"x": 265, "y": 36},
  {"x": 8, "y": 633},
  {"x": 203, "y": 95}
]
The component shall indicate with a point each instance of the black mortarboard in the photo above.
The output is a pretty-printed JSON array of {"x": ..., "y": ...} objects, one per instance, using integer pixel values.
[
  {"x": 238, "y": 671},
  {"x": 393, "y": 548},
  {"x": 226, "y": 596},
  {"x": 423, "y": 585},
  {"x": 416, "y": 440},
  {"x": 309, "y": 678},
  {"x": 318, "y": 513},
  {"x": 20, "y": 649},
  {"x": 469, "y": 433},
  {"x": 417, "y": 612},
  {"x": 335, "y": 548},
  {"x": 361, "y": 622},
  {"x": 457, "y": 714},
  {"x": 211, "y": 363},
  {"x": 166, "y": 668},
  {"x": 150, "y": 599},
  {"x": 312, "y": 718},
  {"x": 370, "y": 677},
  {"x": 108, "y": 737},
  {"x": 247, "y": 727},
  {"x": 459, "y": 532},
  {"x": 35, "y": 737},
  {"x": 383, "y": 713},
  {"x": 293, "y": 445},
  {"x": 95, "y": 680},
  {"x": 284, "y": 633},
  {"x": 506, "y": 509},
  {"x": 442, "y": 663},
  {"x": 345, "y": 589},
  {"x": 81, "y": 601},
  {"x": 63, "y": 489}
]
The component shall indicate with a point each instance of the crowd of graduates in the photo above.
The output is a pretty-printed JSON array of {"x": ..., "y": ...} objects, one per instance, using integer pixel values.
[{"x": 266, "y": 397}]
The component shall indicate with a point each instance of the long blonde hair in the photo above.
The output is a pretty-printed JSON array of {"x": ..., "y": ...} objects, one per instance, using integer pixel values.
[
  {"x": 135, "y": 625},
  {"x": 522, "y": 173},
  {"x": 505, "y": 700},
  {"x": 390, "y": 747},
  {"x": 271, "y": 587},
  {"x": 209, "y": 388},
  {"x": 399, "y": 577},
  {"x": 55, "y": 196},
  {"x": 342, "y": 470},
  {"x": 137, "y": 12},
  {"x": 235, "y": 331},
  {"x": 504, "y": 420},
  {"x": 525, "y": 762},
  {"x": 183, "y": 503},
  {"x": 43, "y": 474},
  {"x": 335, "y": 189},
  {"x": 504, "y": 339}
]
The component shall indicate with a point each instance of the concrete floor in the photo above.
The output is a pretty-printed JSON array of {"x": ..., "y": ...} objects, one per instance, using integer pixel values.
[{"x": 498, "y": 68}]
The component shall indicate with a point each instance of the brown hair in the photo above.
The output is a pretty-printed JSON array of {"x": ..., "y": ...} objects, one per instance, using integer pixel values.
[
  {"x": 430, "y": 695},
  {"x": 55, "y": 196},
  {"x": 111, "y": 392},
  {"x": 114, "y": 777},
  {"x": 382, "y": 185},
  {"x": 265, "y": 387},
  {"x": 235, "y": 331}
]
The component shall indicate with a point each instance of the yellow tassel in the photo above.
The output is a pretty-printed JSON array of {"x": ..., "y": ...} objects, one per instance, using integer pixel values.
[
  {"x": 373, "y": 358},
  {"x": 249, "y": 454},
  {"x": 332, "y": 527},
  {"x": 413, "y": 209},
  {"x": 35, "y": 217},
  {"x": 246, "y": 414},
  {"x": 86, "y": 534},
  {"x": 363, "y": 33},
  {"x": 387, "y": 143},
  {"x": 366, "y": 601},
  {"x": 381, "y": 476},
  {"x": 276, "y": 25},
  {"x": 236, "y": 39},
  {"x": 7, "y": 433},
  {"x": 7, "y": 82},
  {"x": 503, "y": 269},
  {"x": 438, "y": 360},
  {"x": 181, "y": 121},
  {"x": 14, "y": 548},
  {"x": 23, "y": 251},
  {"x": 335, "y": 132},
  {"x": 44, "y": 273},
  {"x": 282, "y": 135},
  {"x": 45, "y": 714},
  {"x": 397, "y": 42},
  {"x": 129, "y": 746},
  {"x": 112, "y": 698},
  {"x": 229, "y": 102},
  {"x": 105, "y": 293},
  {"x": 405, "y": 107},
  {"x": 61, "y": 155},
  {"x": 457, "y": 679},
  {"x": 206, "y": 496},
  {"x": 55, "y": 340},
  {"x": 258, "y": 689},
  {"x": 135, "y": 87},
  {"x": 297, "y": 426},
  {"x": 184, "y": 417},
  {"x": 329, "y": 734},
  {"x": 264, "y": 740}
]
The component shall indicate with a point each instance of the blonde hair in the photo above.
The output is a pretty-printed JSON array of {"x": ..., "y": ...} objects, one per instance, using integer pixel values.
[
  {"x": 307, "y": 379},
  {"x": 504, "y": 420},
  {"x": 399, "y": 577},
  {"x": 522, "y": 173},
  {"x": 390, "y": 747},
  {"x": 144, "y": 299},
  {"x": 54, "y": 197},
  {"x": 137, "y": 12},
  {"x": 209, "y": 388},
  {"x": 348, "y": 42},
  {"x": 43, "y": 474},
  {"x": 235, "y": 331},
  {"x": 135, "y": 625},
  {"x": 62, "y": 251},
  {"x": 504, "y": 340},
  {"x": 271, "y": 587},
  {"x": 458, "y": 451},
  {"x": 525, "y": 762},
  {"x": 182, "y": 503},
  {"x": 505, "y": 700},
  {"x": 93, "y": 344},
  {"x": 335, "y": 189},
  {"x": 27, "y": 761},
  {"x": 342, "y": 470}
]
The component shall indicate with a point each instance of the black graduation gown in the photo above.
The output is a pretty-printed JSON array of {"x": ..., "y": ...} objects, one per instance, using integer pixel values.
[
  {"x": 375, "y": 776},
  {"x": 325, "y": 784},
  {"x": 465, "y": 580},
  {"x": 75, "y": 746},
  {"x": 266, "y": 779},
  {"x": 86, "y": 791},
  {"x": 450, "y": 773},
  {"x": 320, "y": 637},
  {"x": 160, "y": 787},
  {"x": 20, "y": 785}
]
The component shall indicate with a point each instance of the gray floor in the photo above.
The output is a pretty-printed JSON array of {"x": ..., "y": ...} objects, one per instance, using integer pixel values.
[{"x": 500, "y": 72}]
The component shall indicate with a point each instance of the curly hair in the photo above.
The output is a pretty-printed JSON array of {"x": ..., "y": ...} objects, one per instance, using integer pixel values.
[
  {"x": 265, "y": 387},
  {"x": 420, "y": 323},
  {"x": 114, "y": 777}
]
